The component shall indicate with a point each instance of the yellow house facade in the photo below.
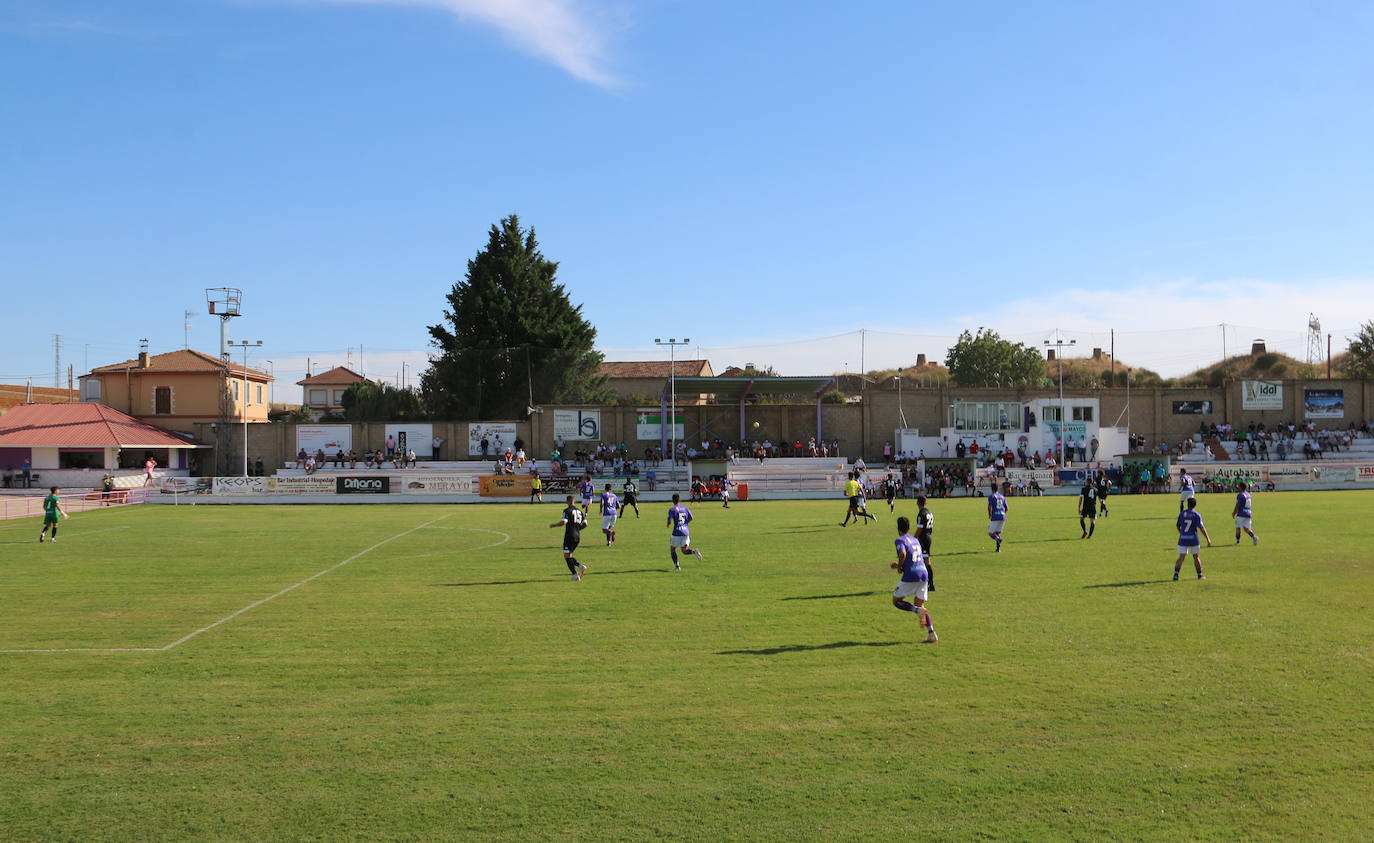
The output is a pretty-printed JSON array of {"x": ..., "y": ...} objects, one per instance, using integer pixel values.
[{"x": 180, "y": 389}]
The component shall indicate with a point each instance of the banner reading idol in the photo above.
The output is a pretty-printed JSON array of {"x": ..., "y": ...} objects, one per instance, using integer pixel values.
[{"x": 1261, "y": 395}]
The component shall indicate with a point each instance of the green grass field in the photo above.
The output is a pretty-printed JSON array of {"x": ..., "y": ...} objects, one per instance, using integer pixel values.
[{"x": 451, "y": 682}]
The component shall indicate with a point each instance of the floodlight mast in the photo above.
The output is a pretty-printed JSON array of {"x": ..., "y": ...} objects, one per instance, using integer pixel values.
[
  {"x": 224, "y": 302},
  {"x": 672, "y": 343}
]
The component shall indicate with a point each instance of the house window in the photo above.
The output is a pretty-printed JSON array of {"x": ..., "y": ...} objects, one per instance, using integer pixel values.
[
  {"x": 257, "y": 393},
  {"x": 235, "y": 385},
  {"x": 1082, "y": 413},
  {"x": 162, "y": 400},
  {"x": 91, "y": 388},
  {"x": 338, "y": 397},
  {"x": 1050, "y": 412},
  {"x": 318, "y": 397}
]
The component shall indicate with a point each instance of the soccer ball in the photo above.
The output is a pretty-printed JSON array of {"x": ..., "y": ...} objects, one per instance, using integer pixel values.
[{"x": 756, "y": 425}]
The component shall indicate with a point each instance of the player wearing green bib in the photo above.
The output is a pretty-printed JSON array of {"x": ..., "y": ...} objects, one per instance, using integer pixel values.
[{"x": 52, "y": 511}]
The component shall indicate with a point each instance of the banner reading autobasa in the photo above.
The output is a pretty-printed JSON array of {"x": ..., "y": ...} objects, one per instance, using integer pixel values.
[
  {"x": 1261, "y": 395},
  {"x": 577, "y": 424},
  {"x": 439, "y": 484},
  {"x": 505, "y": 486}
]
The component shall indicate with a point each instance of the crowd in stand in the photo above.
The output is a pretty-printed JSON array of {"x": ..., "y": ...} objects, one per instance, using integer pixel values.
[{"x": 1258, "y": 441}]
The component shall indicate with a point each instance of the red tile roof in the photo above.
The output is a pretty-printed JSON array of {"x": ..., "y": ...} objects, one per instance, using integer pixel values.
[
  {"x": 656, "y": 369},
  {"x": 82, "y": 425},
  {"x": 338, "y": 374},
  {"x": 182, "y": 360},
  {"x": 12, "y": 395}
]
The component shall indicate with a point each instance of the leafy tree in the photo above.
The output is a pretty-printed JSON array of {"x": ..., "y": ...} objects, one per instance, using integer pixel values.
[
  {"x": 1359, "y": 361},
  {"x": 510, "y": 334},
  {"x": 985, "y": 359},
  {"x": 377, "y": 401},
  {"x": 296, "y": 415}
]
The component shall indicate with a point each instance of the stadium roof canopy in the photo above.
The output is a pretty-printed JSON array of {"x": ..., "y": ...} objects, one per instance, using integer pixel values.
[
  {"x": 739, "y": 390},
  {"x": 82, "y": 425}
]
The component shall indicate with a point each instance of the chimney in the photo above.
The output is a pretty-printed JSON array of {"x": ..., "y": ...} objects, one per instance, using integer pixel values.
[
  {"x": 143, "y": 360},
  {"x": 920, "y": 360},
  {"x": 1049, "y": 354},
  {"x": 1257, "y": 347},
  {"x": 1097, "y": 354}
]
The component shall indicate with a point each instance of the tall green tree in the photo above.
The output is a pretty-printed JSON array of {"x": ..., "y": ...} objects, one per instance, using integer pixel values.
[
  {"x": 1359, "y": 362},
  {"x": 985, "y": 359},
  {"x": 378, "y": 401},
  {"x": 510, "y": 336}
]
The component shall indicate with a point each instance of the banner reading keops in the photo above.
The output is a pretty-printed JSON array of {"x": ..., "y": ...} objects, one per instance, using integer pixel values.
[
  {"x": 366, "y": 485},
  {"x": 1261, "y": 395}
]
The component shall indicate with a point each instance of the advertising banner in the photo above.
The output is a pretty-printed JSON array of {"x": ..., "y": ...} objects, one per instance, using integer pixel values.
[
  {"x": 497, "y": 435},
  {"x": 1261, "y": 395},
  {"x": 1043, "y": 476},
  {"x": 570, "y": 425},
  {"x": 413, "y": 436},
  {"x": 440, "y": 484},
  {"x": 1364, "y": 474},
  {"x": 1323, "y": 403},
  {"x": 1192, "y": 408},
  {"x": 505, "y": 486},
  {"x": 371, "y": 484},
  {"x": 238, "y": 486},
  {"x": 649, "y": 424},
  {"x": 313, "y": 484},
  {"x": 330, "y": 437}
]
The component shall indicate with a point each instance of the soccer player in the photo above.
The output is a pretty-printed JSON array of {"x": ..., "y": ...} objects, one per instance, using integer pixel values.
[
  {"x": 679, "y": 517},
  {"x": 1087, "y": 509},
  {"x": 997, "y": 514},
  {"x": 536, "y": 487},
  {"x": 52, "y": 511},
  {"x": 1242, "y": 513},
  {"x": 725, "y": 483},
  {"x": 629, "y": 494},
  {"x": 1185, "y": 489},
  {"x": 572, "y": 523},
  {"x": 913, "y": 583},
  {"x": 1189, "y": 525},
  {"x": 925, "y": 526},
  {"x": 610, "y": 509},
  {"x": 855, "y": 492},
  {"x": 1104, "y": 487},
  {"x": 588, "y": 489},
  {"x": 890, "y": 491}
]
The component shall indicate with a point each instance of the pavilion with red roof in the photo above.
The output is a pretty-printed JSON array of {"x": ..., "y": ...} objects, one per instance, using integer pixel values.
[{"x": 76, "y": 438}]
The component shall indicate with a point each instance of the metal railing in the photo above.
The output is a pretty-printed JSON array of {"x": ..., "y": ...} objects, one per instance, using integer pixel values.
[{"x": 31, "y": 506}]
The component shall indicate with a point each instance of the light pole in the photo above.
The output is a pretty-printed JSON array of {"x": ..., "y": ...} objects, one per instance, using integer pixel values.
[
  {"x": 901, "y": 414},
  {"x": 672, "y": 343},
  {"x": 1058, "y": 343},
  {"x": 245, "y": 345},
  {"x": 272, "y": 373}
]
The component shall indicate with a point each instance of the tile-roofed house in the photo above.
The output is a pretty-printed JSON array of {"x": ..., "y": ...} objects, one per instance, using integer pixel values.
[
  {"x": 179, "y": 389},
  {"x": 83, "y": 436},
  {"x": 323, "y": 393},
  {"x": 646, "y": 379}
]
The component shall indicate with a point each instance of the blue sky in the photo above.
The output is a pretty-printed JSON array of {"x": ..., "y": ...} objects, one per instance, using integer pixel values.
[{"x": 765, "y": 178}]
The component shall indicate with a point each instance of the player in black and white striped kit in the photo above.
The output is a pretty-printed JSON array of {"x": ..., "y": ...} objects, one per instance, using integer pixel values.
[{"x": 925, "y": 525}]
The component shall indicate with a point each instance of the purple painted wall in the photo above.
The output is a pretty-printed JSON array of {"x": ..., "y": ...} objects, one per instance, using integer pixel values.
[{"x": 13, "y": 457}]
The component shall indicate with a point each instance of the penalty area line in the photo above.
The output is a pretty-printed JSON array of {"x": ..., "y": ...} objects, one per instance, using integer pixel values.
[{"x": 251, "y": 606}]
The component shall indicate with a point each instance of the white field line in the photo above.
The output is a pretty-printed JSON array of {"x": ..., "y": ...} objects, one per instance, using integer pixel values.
[{"x": 183, "y": 639}]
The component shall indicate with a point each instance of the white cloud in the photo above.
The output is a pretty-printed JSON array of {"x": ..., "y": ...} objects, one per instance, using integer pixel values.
[{"x": 564, "y": 33}]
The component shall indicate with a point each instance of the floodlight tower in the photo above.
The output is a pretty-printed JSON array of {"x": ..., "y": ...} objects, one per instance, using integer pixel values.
[
  {"x": 1314, "y": 339},
  {"x": 224, "y": 302}
]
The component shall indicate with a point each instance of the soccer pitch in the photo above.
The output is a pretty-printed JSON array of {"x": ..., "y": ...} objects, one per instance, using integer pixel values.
[{"x": 286, "y": 672}]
